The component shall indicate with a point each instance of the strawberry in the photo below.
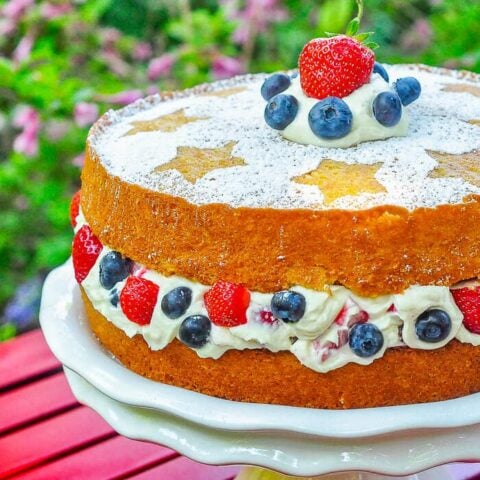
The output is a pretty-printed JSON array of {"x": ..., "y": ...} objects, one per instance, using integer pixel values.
[
  {"x": 468, "y": 301},
  {"x": 227, "y": 303},
  {"x": 75, "y": 209},
  {"x": 334, "y": 67},
  {"x": 85, "y": 250},
  {"x": 138, "y": 299}
]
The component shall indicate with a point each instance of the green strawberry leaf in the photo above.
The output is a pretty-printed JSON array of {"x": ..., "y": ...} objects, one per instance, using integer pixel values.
[{"x": 352, "y": 27}]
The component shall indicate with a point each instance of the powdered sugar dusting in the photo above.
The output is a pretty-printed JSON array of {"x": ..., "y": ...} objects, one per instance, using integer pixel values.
[{"x": 438, "y": 122}]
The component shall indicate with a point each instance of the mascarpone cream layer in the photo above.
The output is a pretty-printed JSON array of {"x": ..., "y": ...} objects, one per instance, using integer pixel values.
[{"x": 319, "y": 339}]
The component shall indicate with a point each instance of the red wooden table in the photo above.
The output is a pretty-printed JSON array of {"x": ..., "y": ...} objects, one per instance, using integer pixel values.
[{"x": 46, "y": 434}]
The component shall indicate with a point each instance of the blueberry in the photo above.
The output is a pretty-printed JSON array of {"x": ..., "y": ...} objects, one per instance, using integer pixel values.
[
  {"x": 330, "y": 118},
  {"x": 114, "y": 268},
  {"x": 387, "y": 108},
  {"x": 114, "y": 298},
  {"x": 294, "y": 75},
  {"x": 195, "y": 331},
  {"x": 274, "y": 85},
  {"x": 365, "y": 339},
  {"x": 288, "y": 306},
  {"x": 380, "y": 69},
  {"x": 408, "y": 89},
  {"x": 433, "y": 326},
  {"x": 176, "y": 302},
  {"x": 280, "y": 111}
]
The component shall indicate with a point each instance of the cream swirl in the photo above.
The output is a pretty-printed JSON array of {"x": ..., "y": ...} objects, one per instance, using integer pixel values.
[{"x": 364, "y": 125}]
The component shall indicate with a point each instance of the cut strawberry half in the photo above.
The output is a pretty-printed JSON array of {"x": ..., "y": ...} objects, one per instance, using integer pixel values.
[
  {"x": 138, "y": 299},
  {"x": 85, "y": 250},
  {"x": 227, "y": 304},
  {"x": 468, "y": 301}
]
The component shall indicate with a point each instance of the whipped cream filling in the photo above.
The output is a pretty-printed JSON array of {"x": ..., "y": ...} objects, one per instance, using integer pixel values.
[
  {"x": 319, "y": 339},
  {"x": 364, "y": 125}
]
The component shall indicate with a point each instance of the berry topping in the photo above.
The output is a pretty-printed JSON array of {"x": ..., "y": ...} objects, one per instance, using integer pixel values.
[
  {"x": 113, "y": 269},
  {"x": 138, "y": 299},
  {"x": 195, "y": 331},
  {"x": 227, "y": 303},
  {"x": 334, "y": 66},
  {"x": 288, "y": 306},
  {"x": 433, "y": 326},
  {"x": 176, "y": 302},
  {"x": 365, "y": 339},
  {"x": 408, "y": 89},
  {"x": 330, "y": 118},
  {"x": 266, "y": 316},
  {"x": 114, "y": 298},
  {"x": 75, "y": 208},
  {"x": 387, "y": 109},
  {"x": 380, "y": 69},
  {"x": 468, "y": 301},
  {"x": 274, "y": 85},
  {"x": 281, "y": 111},
  {"x": 85, "y": 250}
]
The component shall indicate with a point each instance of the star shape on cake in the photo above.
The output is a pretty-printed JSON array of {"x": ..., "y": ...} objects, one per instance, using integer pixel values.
[
  {"x": 462, "y": 165},
  {"x": 194, "y": 163},
  {"x": 462, "y": 88},
  {"x": 226, "y": 92},
  {"x": 338, "y": 179},
  {"x": 165, "y": 123}
]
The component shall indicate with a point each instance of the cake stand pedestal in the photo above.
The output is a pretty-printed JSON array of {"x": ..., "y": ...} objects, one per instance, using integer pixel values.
[{"x": 295, "y": 441}]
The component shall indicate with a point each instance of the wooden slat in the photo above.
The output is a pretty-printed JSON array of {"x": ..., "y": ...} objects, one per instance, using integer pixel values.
[
  {"x": 51, "y": 438},
  {"x": 34, "y": 401},
  {"x": 25, "y": 357},
  {"x": 113, "y": 458},
  {"x": 183, "y": 468}
]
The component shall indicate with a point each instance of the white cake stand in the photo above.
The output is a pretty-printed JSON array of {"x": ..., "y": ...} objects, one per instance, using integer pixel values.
[{"x": 294, "y": 441}]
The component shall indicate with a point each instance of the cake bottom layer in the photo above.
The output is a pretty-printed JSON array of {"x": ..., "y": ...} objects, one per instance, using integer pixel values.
[{"x": 402, "y": 376}]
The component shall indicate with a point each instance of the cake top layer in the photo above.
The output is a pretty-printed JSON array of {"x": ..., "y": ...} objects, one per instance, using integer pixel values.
[{"x": 210, "y": 144}]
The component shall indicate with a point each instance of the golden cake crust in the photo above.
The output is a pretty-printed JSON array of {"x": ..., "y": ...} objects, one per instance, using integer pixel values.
[
  {"x": 372, "y": 252},
  {"x": 402, "y": 376}
]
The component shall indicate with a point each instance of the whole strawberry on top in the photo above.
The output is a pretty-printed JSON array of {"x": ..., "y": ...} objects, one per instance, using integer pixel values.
[
  {"x": 334, "y": 67},
  {"x": 338, "y": 65},
  {"x": 341, "y": 97}
]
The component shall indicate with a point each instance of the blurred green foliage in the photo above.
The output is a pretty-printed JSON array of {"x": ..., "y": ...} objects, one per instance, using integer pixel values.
[{"x": 85, "y": 51}]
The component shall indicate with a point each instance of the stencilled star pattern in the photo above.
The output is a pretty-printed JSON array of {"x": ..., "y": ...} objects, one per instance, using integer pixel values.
[
  {"x": 338, "y": 179},
  {"x": 194, "y": 163},
  {"x": 170, "y": 122}
]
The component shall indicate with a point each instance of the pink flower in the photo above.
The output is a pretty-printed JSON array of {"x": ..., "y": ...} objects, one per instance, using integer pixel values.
[
  {"x": 15, "y": 9},
  {"x": 152, "y": 90},
  {"x": 255, "y": 18},
  {"x": 122, "y": 98},
  {"x": 226, "y": 67},
  {"x": 160, "y": 66},
  {"x": 7, "y": 26},
  {"x": 54, "y": 10},
  {"x": 24, "y": 47},
  {"x": 142, "y": 51},
  {"x": 79, "y": 160},
  {"x": 55, "y": 130},
  {"x": 26, "y": 142},
  {"x": 418, "y": 37},
  {"x": 25, "y": 116},
  {"x": 85, "y": 113}
]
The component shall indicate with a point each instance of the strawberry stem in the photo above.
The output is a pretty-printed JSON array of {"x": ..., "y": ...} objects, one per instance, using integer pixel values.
[{"x": 360, "y": 10}]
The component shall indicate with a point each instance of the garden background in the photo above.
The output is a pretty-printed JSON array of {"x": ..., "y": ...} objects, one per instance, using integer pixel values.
[{"x": 62, "y": 64}]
